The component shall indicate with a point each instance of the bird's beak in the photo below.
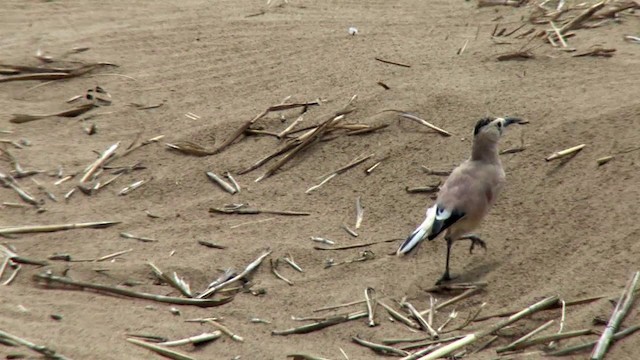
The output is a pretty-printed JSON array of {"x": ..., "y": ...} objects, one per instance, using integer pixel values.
[{"x": 510, "y": 120}]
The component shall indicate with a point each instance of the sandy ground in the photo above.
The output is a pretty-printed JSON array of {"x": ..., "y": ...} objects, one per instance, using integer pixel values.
[{"x": 565, "y": 227}]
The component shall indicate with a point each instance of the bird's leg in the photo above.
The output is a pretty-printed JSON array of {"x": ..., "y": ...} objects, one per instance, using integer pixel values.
[
  {"x": 446, "y": 276},
  {"x": 475, "y": 240}
]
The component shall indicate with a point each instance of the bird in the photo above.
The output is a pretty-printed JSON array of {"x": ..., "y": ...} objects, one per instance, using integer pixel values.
[{"x": 468, "y": 193}]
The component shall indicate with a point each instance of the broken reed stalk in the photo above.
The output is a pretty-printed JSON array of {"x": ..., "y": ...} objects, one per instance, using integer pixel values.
[
  {"x": 555, "y": 306},
  {"x": 545, "y": 339},
  {"x": 314, "y": 137},
  {"x": 392, "y": 62},
  {"x": 41, "y": 349},
  {"x": 333, "y": 307},
  {"x": 8, "y": 181},
  {"x": 359, "y": 213},
  {"x": 354, "y": 246},
  {"x": 399, "y": 316},
  {"x": 172, "y": 354},
  {"x": 419, "y": 353},
  {"x": 329, "y": 176},
  {"x": 175, "y": 282},
  {"x": 113, "y": 255},
  {"x": 223, "y": 184},
  {"x": 526, "y": 337},
  {"x": 248, "y": 124},
  {"x": 304, "y": 357},
  {"x": 420, "y": 121},
  {"x": 274, "y": 271},
  {"x": 10, "y": 255},
  {"x": 423, "y": 323},
  {"x": 73, "y": 112},
  {"x": 57, "y": 227},
  {"x": 357, "y": 161},
  {"x": 571, "y": 349},
  {"x": 264, "y": 160},
  {"x": 99, "y": 162},
  {"x": 326, "y": 180},
  {"x": 370, "y": 297},
  {"x": 245, "y": 211},
  {"x": 334, "y": 320},
  {"x": 132, "y": 148},
  {"x": 379, "y": 348},
  {"x": 49, "y": 278},
  {"x": 225, "y": 330},
  {"x": 580, "y": 19},
  {"x": 195, "y": 340},
  {"x": 252, "y": 266},
  {"x": 467, "y": 293},
  {"x": 619, "y": 313},
  {"x": 471, "y": 338}
]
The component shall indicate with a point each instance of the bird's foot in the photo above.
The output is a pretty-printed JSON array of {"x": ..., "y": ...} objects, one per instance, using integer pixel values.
[
  {"x": 446, "y": 277},
  {"x": 475, "y": 241}
]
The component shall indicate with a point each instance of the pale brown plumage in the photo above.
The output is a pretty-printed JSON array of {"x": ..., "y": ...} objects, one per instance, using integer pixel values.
[{"x": 468, "y": 194}]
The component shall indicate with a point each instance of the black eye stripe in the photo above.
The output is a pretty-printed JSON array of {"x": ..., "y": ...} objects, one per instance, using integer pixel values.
[{"x": 480, "y": 124}]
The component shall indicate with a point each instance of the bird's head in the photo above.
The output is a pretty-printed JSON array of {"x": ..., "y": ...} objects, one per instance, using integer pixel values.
[{"x": 493, "y": 127}]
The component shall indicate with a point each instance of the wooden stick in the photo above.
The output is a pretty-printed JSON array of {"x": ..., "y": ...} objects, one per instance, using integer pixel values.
[
  {"x": 58, "y": 227},
  {"x": 49, "y": 278},
  {"x": 172, "y": 354},
  {"x": 619, "y": 313},
  {"x": 565, "y": 152},
  {"x": 471, "y": 338}
]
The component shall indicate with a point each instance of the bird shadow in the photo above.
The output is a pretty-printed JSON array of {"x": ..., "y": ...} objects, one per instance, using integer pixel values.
[
  {"x": 478, "y": 272},
  {"x": 561, "y": 164}
]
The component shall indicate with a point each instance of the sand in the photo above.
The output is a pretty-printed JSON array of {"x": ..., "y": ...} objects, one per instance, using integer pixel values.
[{"x": 565, "y": 227}]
